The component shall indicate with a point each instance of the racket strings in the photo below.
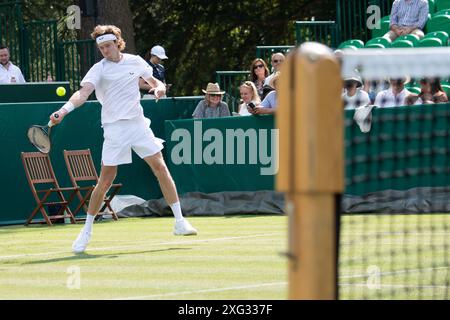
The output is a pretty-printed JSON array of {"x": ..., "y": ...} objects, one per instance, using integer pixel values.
[{"x": 39, "y": 138}]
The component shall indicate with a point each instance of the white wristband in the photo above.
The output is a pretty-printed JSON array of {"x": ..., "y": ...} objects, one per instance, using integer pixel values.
[{"x": 68, "y": 106}]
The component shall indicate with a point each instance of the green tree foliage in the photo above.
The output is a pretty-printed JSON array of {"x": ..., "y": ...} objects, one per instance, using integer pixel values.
[{"x": 202, "y": 36}]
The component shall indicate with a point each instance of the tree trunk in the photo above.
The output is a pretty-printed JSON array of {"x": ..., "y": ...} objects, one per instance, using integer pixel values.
[{"x": 115, "y": 12}]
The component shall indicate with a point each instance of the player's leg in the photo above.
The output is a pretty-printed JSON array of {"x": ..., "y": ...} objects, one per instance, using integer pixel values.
[
  {"x": 169, "y": 190},
  {"x": 106, "y": 179}
]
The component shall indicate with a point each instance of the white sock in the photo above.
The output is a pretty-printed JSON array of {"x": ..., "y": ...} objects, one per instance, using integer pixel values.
[
  {"x": 89, "y": 222},
  {"x": 176, "y": 209}
]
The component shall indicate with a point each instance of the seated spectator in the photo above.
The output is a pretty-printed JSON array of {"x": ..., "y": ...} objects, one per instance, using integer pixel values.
[
  {"x": 430, "y": 92},
  {"x": 266, "y": 89},
  {"x": 407, "y": 17},
  {"x": 248, "y": 94},
  {"x": 353, "y": 96},
  {"x": 9, "y": 73},
  {"x": 259, "y": 72},
  {"x": 434, "y": 87},
  {"x": 394, "y": 96},
  {"x": 373, "y": 87},
  {"x": 276, "y": 60},
  {"x": 270, "y": 102},
  {"x": 212, "y": 106}
]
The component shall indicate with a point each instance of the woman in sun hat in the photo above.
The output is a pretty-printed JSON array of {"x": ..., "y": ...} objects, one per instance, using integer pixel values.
[
  {"x": 353, "y": 95},
  {"x": 212, "y": 106}
]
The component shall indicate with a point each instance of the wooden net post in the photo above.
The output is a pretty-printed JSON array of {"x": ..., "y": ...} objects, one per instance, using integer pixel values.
[{"x": 311, "y": 164}]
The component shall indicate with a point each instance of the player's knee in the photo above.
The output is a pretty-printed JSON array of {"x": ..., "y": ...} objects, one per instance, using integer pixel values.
[
  {"x": 104, "y": 184},
  {"x": 160, "y": 168}
]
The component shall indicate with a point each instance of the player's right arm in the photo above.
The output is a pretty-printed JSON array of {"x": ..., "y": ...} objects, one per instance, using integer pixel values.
[{"x": 75, "y": 101}]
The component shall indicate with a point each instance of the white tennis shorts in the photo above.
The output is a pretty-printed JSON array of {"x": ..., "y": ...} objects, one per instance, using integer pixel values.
[{"x": 125, "y": 135}]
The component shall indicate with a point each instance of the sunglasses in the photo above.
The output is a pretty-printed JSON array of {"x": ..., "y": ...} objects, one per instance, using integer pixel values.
[
  {"x": 258, "y": 66},
  {"x": 214, "y": 95},
  {"x": 277, "y": 61}
]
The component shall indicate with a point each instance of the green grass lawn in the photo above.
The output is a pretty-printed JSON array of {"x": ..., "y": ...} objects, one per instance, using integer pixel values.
[{"x": 236, "y": 257}]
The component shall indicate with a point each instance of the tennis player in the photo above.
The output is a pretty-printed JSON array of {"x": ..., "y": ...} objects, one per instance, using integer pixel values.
[{"x": 115, "y": 80}]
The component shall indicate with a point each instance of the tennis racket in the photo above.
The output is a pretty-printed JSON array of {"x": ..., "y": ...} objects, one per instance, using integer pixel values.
[{"x": 39, "y": 136}]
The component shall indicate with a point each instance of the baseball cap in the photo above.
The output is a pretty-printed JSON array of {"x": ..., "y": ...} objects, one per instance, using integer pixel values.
[{"x": 159, "y": 52}]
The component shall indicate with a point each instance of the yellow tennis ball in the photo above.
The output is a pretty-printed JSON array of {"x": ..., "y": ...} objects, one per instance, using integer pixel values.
[{"x": 61, "y": 91}]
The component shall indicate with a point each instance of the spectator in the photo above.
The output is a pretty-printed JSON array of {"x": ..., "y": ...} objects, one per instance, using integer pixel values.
[
  {"x": 373, "y": 87},
  {"x": 259, "y": 72},
  {"x": 270, "y": 102},
  {"x": 430, "y": 92},
  {"x": 266, "y": 89},
  {"x": 353, "y": 95},
  {"x": 9, "y": 73},
  {"x": 248, "y": 94},
  {"x": 212, "y": 106},
  {"x": 394, "y": 96},
  {"x": 155, "y": 58},
  {"x": 277, "y": 60},
  {"x": 438, "y": 94},
  {"x": 407, "y": 17}
]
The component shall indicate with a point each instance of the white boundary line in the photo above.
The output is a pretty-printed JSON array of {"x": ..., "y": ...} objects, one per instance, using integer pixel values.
[
  {"x": 138, "y": 246},
  {"x": 171, "y": 294}
]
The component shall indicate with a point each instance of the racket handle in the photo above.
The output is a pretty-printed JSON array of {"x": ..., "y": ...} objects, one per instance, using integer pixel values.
[{"x": 50, "y": 123}]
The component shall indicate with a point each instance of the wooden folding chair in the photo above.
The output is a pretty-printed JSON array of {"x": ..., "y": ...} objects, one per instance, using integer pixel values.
[
  {"x": 39, "y": 172},
  {"x": 81, "y": 169}
]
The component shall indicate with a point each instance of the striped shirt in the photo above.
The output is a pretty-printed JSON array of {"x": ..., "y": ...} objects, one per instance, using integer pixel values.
[{"x": 409, "y": 13}]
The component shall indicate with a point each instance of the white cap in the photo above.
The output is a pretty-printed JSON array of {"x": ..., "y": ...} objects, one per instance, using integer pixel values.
[{"x": 159, "y": 52}]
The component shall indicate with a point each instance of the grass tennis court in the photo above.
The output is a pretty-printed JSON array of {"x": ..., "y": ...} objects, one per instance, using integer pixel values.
[{"x": 237, "y": 257}]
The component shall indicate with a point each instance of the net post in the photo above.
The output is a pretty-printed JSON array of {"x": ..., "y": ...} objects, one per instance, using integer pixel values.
[{"x": 310, "y": 121}]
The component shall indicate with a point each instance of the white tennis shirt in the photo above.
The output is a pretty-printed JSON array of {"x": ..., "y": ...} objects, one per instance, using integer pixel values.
[{"x": 117, "y": 86}]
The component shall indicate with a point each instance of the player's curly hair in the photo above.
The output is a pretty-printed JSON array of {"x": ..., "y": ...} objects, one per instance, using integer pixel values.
[{"x": 103, "y": 29}]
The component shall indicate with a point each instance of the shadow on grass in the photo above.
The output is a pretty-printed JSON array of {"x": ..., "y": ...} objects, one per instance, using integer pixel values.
[{"x": 87, "y": 256}]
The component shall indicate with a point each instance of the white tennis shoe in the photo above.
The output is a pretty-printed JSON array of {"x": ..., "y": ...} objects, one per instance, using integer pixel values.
[
  {"x": 80, "y": 244},
  {"x": 184, "y": 228}
]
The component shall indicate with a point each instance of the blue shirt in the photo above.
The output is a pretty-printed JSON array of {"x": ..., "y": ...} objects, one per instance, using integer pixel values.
[
  {"x": 409, "y": 13},
  {"x": 270, "y": 101}
]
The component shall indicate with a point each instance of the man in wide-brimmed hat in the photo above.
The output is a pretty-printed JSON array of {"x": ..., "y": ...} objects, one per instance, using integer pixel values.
[{"x": 212, "y": 106}]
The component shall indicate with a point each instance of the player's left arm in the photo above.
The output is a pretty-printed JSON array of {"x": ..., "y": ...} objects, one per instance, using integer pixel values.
[{"x": 158, "y": 87}]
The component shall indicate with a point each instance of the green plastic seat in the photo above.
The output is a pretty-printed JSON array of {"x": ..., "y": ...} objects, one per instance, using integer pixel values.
[
  {"x": 446, "y": 89},
  {"x": 442, "y": 12},
  {"x": 439, "y": 23},
  {"x": 415, "y": 90},
  {"x": 353, "y": 42},
  {"x": 440, "y": 35},
  {"x": 380, "y": 40},
  {"x": 384, "y": 27},
  {"x": 410, "y": 37},
  {"x": 442, "y": 4},
  {"x": 349, "y": 47},
  {"x": 375, "y": 46},
  {"x": 431, "y": 6},
  {"x": 430, "y": 42},
  {"x": 402, "y": 44}
]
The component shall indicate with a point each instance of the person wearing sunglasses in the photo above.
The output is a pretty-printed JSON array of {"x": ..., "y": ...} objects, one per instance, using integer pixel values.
[
  {"x": 259, "y": 72},
  {"x": 212, "y": 106},
  {"x": 277, "y": 60}
]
